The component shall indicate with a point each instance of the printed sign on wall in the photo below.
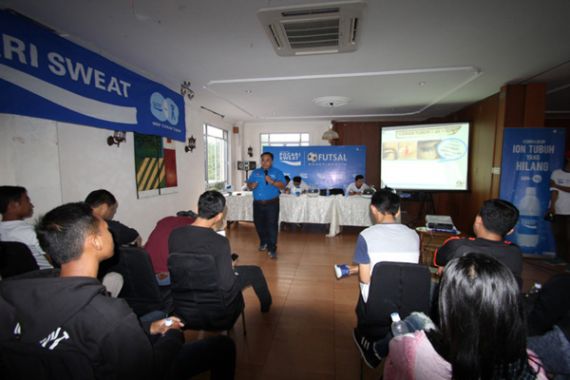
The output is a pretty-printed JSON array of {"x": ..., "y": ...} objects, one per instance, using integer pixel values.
[
  {"x": 46, "y": 76},
  {"x": 323, "y": 167},
  {"x": 529, "y": 157},
  {"x": 155, "y": 163}
]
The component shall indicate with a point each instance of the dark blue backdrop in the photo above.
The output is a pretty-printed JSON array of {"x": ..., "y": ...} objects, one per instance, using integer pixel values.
[
  {"x": 323, "y": 167},
  {"x": 44, "y": 75}
]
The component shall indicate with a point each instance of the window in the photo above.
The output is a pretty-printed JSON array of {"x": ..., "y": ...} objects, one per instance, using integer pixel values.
[
  {"x": 284, "y": 139},
  {"x": 216, "y": 152}
]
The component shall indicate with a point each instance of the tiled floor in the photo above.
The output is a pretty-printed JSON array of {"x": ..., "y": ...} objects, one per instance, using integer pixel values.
[{"x": 308, "y": 332}]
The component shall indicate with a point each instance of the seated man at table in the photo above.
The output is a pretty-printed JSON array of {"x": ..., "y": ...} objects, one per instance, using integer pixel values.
[
  {"x": 496, "y": 219},
  {"x": 201, "y": 238},
  {"x": 357, "y": 187},
  {"x": 297, "y": 186},
  {"x": 287, "y": 182}
]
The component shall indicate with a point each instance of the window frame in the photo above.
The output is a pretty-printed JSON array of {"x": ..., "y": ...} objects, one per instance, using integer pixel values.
[
  {"x": 216, "y": 185},
  {"x": 303, "y": 139}
]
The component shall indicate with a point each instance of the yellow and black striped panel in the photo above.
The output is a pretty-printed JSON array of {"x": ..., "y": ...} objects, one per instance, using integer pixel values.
[{"x": 150, "y": 174}]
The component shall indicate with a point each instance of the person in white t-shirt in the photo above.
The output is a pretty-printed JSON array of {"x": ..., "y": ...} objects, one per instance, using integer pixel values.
[
  {"x": 357, "y": 187},
  {"x": 15, "y": 206},
  {"x": 387, "y": 240},
  {"x": 297, "y": 186},
  {"x": 560, "y": 208}
]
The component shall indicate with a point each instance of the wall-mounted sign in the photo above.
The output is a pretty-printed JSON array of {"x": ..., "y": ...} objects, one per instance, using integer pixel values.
[
  {"x": 46, "y": 76},
  {"x": 323, "y": 167}
]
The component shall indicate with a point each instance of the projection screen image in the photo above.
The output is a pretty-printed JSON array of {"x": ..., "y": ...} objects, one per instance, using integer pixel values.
[{"x": 425, "y": 157}]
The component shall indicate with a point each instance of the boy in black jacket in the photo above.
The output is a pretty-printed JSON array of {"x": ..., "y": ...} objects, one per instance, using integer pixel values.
[{"x": 67, "y": 327}]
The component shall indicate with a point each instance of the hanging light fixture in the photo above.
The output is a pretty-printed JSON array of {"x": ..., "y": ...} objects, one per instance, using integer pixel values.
[{"x": 330, "y": 135}]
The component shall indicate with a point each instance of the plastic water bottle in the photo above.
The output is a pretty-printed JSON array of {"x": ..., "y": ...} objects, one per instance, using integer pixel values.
[
  {"x": 529, "y": 208},
  {"x": 399, "y": 327}
]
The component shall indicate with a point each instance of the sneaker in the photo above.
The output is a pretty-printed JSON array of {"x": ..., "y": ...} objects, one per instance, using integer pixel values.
[
  {"x": 272, "y": 254},
  {"x": 366, "y": 349},
  {"x": 341, "y": 270},
  {"x": 262, "y": 247}
]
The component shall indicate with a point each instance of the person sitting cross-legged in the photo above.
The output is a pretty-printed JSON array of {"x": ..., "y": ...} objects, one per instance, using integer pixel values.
[
  {"x": 67, "y": 327},
  {"x": 201, "y": 238}
]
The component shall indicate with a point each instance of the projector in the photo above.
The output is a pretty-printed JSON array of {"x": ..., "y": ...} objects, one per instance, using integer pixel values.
[{"x": 440, "y": 222}]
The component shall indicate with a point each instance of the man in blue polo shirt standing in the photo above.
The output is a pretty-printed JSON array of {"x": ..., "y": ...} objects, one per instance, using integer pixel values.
[{"x": 266, "y": 183}]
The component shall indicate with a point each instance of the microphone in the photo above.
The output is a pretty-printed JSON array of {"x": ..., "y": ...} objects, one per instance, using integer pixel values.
[{"x": 265, "y": 172}]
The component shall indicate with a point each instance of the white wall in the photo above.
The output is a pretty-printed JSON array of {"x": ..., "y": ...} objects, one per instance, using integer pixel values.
[
  {"x": 59, "y": 163},
  {"x": 250, "y": 136}
]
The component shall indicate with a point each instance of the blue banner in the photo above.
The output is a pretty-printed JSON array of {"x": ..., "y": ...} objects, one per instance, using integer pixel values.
[
  {"x": 529, "y": 157},
  {"x": 46, "y": 76},
  {"x": 323, "y": 167}
]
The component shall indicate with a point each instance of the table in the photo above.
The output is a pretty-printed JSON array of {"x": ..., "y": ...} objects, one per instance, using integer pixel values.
[
  {"x": 335, "y": 210},
  {"x": 239, "y": 206},
  {"x": 354, "y": 211}
]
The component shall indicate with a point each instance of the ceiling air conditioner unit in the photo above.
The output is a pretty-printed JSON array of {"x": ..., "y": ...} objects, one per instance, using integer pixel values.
[{"x": 315, "y": 28}]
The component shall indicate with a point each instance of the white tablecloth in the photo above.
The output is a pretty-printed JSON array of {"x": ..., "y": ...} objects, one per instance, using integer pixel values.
[
  {"x": 305, "y": 209},
  {"x": 335, "y": 210},
  {"x": 354, "y": 211},
  {"x": 240, "y": 207}
]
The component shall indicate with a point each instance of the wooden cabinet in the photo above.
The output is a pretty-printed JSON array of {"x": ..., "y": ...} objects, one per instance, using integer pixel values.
[{"x": 429, "y": 242}]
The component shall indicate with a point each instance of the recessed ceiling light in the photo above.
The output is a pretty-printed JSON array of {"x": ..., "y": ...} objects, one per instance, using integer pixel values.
[
  {"x": 331, "y": 101},
  {"x": 422, "y": 83}
]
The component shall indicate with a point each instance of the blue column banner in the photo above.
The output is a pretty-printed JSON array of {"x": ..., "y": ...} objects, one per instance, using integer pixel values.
[
  {"x": 46, "y": 76},
  {"x": 529, "y": 157},
  {"x": 323, "y": 167}
]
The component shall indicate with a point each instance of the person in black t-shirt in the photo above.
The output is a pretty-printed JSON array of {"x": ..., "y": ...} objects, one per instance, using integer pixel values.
[
  {"x": 495, "y": 220},
  {"x": 201, "y": 238},
  {"x": 105, "y": 205}
]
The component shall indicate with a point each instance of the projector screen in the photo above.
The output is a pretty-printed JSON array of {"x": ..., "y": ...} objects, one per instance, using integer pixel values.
[{"x": 425, "y": 157}]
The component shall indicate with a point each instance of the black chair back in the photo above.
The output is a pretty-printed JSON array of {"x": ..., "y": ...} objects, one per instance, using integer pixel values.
[
  {"x": 15, "y": 258},
  {"x": 394, "y": 287},
  {"x": 140, "y": 288},
  {"x": 197, "y": 297}
]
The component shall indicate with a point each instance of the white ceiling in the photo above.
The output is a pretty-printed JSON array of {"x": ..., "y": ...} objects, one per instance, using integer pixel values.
[{"x": 417, "y": 59}]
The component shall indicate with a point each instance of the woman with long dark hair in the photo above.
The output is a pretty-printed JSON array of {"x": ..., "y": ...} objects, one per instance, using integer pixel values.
[{"x": 482, "y": 333}]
